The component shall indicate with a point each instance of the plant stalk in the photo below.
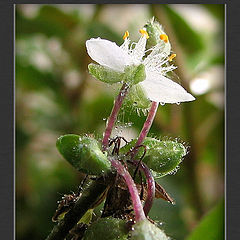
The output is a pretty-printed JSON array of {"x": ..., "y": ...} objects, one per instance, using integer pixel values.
[
  {"x": 151, "y": 186},
  {"x": 112, "y": 118},
  {"x": 137, "y": 205},
  {"x": 88, "y": 200},
  {"x": 146, "y": 127}
]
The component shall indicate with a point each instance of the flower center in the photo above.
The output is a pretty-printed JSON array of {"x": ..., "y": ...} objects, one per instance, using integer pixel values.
[
  {"x": 144, "y": 33},
  {"x": 164, "y": 37}
]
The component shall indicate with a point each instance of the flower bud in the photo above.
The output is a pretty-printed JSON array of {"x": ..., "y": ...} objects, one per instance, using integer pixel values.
[
  {"x": 161, "y": 156},
  {"x": 145, "y": 230},
  {"x": 84, "y": 154},
  {"x": 107, "y": 229},
  {"x": 155, "y": 31},
  {"x": 105, "y": 74}
]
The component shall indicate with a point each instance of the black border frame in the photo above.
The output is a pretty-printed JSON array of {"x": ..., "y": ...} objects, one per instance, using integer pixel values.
[{"x": 232, "y": 115}]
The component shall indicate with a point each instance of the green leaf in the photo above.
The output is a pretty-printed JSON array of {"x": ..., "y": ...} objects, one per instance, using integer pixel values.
[
  {"x": 212, "y": 225},
  {"x": 50, "y": 21},
  {"x": 33, "y": 79},
  {"x": 83, "y": 153},
  {"x": 217, "y": 10}
]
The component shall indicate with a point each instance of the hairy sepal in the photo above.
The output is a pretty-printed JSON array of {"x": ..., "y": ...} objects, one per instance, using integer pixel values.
[
  {"x": 145, "y": 230},
  {"x": 84, "y": 154},
  {"x": 163, "y": 157},
  {"x": 107, "y": 229},
  {"x": 105, "y": 74},
  {"x": 137, "y": 98},
  {"x": 134, "y": 74}
]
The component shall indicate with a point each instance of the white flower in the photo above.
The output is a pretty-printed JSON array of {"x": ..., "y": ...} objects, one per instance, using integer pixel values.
[{"x": 156, "y": 86}]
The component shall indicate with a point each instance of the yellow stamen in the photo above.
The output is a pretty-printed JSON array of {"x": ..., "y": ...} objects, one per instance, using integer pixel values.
[
  {"x": 144, "y": 33},
  {"x": 170, "y": 58},
  {"x": 126, "y": 34},
  {"x": 164, "y": 37}
]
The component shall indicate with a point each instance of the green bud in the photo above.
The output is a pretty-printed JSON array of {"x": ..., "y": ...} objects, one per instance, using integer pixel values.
[
  {"x": 162, "y": 156},
  {"x": 137, "y": 97},
  {"x": 84, "y": 154},
  {"x": 135, "y": 74},
  {"x": 145, "y": 230},
  {"x": 154, "y": 30},
  {"x": 107, "y": 229},
  {"x": 105, "y": 74}
]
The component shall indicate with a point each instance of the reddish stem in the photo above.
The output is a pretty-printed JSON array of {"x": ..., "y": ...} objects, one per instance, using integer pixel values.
[
  {"x": 151, "y": 186},
  {"x": 112, "y": 118},
  {"x": 137, "y": 205},
  {"x": 146, "y": 127}
]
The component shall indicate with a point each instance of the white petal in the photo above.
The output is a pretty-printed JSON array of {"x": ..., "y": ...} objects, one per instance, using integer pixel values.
[
  {"x": 107, "y": 54},
  {"x": 161, "y": 89}
]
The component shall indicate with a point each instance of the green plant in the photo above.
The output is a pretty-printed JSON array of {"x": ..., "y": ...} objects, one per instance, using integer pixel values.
[{"x": 129, "y": 66}]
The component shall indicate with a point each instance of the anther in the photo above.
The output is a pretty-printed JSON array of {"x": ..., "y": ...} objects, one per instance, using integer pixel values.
[
  {"x": 144, "y": 33},
  {"x": 170, "y": 58},
  {"x": 126, "y": 34},
  {"x": 164, "y": 37}
]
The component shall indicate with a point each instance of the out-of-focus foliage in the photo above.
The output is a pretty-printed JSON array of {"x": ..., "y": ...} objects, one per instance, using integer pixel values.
[
  {"x": 56, "y": 95},
  {"x": 211, "y": 226}
]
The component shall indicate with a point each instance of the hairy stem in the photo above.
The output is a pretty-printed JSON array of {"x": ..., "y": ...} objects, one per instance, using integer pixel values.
[
  {"x": 112, "y": 118},
  {"x": 137, "y": 205},
  {"x": 146, "y": 127},
  {"x": 89, "y": 198}
]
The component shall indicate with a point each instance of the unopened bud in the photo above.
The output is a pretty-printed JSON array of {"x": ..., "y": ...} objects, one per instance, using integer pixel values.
[
  {"x": 145, "y": 230},
  {"x": 107, "y": 229},
  {"x": 84, "y": 154}
]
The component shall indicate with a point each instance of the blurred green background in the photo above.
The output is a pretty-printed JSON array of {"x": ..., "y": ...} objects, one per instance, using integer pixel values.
[{"x": 55, "y": 95}]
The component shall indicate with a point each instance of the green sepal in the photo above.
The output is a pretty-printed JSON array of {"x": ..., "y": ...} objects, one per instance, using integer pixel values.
[
  {"x": 87, "y": 217},
  {"x": 161, "y": 156},
  {"x": 107, "y": 229},
  {"x": 145, "y": 230},
  {"x": 137, "y": 98},
  {"x": 84, "y": 154},
  {"x": 105, "y": 74},
  {"x": 134, "y": 74}
]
